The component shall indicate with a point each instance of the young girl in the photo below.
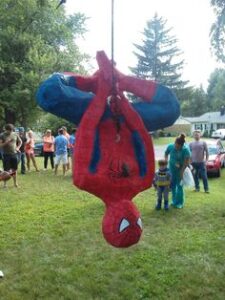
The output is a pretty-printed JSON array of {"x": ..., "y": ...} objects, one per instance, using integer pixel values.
[{"x": 29, "y": 150}]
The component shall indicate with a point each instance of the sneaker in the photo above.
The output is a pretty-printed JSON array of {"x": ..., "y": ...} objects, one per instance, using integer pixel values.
[
  {"x": 196, "y": 190},
  {"x": 166, "y": 207},
  {"x": 207, "y": 191},
  {"x": 179, "y": 206},
  {"x": 158, "y": 206}
]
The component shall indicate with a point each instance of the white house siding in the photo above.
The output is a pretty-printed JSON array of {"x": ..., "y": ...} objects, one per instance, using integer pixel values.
[{"x": 207, "y": 122}]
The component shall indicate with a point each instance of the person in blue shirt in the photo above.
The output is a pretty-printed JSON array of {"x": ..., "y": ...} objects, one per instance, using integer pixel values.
[
  {"x": 179, "y": 159},
  {"x": 72, "y": 141},
  {"x": 61, "y": 144}
]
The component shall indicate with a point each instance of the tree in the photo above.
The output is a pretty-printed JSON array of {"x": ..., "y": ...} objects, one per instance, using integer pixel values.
[
  {"x": 216, "y": 89},
  {"x": 218, "y": 30},
  {"x": 35, "y": 40},
  {"x": 195, "y": 104},
  {"x": 158, "y": 55},
  {"x": 49, "y": 121}
]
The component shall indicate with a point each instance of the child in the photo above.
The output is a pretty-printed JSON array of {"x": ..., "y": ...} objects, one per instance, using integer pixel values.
[{"x": 162, "y": 181}]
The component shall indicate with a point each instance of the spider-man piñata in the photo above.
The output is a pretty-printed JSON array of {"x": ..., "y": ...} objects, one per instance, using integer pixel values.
[{"x": 114, "y": 157}]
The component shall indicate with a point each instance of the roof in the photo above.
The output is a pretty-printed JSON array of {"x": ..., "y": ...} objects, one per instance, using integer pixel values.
[
  {"x": 182, "y": 121},
  {"x": 210, "y": 117}
]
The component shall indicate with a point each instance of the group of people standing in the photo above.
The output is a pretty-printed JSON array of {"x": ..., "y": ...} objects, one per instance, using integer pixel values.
[
  {"x": 19, "y": 148},
  {"x": 180, "y": 156},
  {"x": 64, "y": 146}
]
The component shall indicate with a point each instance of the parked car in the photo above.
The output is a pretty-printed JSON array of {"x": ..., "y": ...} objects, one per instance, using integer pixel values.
[
  {"x": 38, "y": 149},
  {"x": 216, "y": 159},
  {"x": 219, "y": 134}
]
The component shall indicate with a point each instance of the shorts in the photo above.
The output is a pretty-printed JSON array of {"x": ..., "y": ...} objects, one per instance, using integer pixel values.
[
  {"x": 61, "y": 157},
  {"x": 10, "y": 162},
  {"x": 30, "y": 152}
]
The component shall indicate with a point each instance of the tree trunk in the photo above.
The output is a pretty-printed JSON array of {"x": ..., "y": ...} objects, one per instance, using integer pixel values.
[{"x": 10, "y": 116}]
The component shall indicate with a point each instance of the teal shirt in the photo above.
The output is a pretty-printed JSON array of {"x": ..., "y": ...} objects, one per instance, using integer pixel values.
[{"x": 177, "y": 157}]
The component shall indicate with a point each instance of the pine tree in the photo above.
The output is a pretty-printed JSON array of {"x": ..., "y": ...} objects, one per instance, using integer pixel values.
[{"x": 158, "y": 56}]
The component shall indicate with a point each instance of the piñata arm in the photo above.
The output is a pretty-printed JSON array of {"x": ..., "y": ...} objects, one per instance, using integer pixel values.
[
  {"x": 84, "y": 83},
  {"x": 158, "y": 106},
  {"x": 60, "y": 96},
  {"x": 67, "y": 96}
]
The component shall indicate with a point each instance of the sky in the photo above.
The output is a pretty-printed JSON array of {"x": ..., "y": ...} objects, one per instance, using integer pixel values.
[{"x": 190, "y": 21}]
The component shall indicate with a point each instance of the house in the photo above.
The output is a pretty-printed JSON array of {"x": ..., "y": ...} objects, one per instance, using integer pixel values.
[
  {"x": 181, "y": 125},
  {"x": 208, "y": 122}
]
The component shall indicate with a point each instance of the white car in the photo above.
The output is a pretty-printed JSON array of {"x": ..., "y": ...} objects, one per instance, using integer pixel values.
[{"x": 219, "y": 134}]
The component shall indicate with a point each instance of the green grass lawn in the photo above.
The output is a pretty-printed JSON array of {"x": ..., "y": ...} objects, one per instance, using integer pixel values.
[{"x": 51, "y": 245}]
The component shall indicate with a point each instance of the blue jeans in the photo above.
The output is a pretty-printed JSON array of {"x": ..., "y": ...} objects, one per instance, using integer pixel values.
[
  {"x": 162, "y": 193},
  {"x": 21, "y": 160},
  {"x": 199, "y": 169}
]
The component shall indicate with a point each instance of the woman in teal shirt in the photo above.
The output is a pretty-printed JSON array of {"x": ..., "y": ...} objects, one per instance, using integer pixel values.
[{"x": 178, "y": 161}]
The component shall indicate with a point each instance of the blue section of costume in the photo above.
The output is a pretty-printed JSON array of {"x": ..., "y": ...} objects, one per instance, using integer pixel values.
[
  {"x": 162, "y": 110},
  {"x": 60, "y": 96},
  {"x": 140, "y": 153},
  {"x": 96, "y": 155}
]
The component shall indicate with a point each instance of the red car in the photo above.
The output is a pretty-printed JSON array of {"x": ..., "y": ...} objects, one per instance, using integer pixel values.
[{"x": 216, "y": 159}]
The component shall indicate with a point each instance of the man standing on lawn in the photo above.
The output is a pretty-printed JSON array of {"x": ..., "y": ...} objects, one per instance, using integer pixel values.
[
  {"x": 61, "y": 144},
  {"x": 199, "y": 156},
  {"x": 10, "y": 142}
]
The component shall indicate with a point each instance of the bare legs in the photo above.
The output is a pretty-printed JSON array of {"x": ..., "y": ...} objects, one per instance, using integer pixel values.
[
  {"x": 31, "y": 157},
  {"x": 64, "y": 169},
  {"x": 15, "y": 179}
]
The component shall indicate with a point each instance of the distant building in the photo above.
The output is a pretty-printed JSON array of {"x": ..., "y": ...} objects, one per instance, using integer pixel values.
[
  {"x": 208, "y": 122},
  {"x": 181, "y": 125}
]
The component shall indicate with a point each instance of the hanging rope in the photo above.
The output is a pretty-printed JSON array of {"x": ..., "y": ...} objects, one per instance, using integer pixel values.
[
  {"x": 115, "y": 98},
  {"x": 112, "y": 47}
]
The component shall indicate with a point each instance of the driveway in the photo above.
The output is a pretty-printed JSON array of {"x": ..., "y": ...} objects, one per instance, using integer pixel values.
[{"x": 159, "y": 151}]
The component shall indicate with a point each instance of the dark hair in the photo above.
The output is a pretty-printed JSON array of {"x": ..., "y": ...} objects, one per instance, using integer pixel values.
[
  {"x": 162, "y": 162},
  {"x": 180, "y": 140},
  {"x": 60, "y": 131},
  {"x": 9, "y": 127},
  {"x": 197, "y": 131},
  {"x": 21, "y": 129},
  {"x": 74, "y": 130}
]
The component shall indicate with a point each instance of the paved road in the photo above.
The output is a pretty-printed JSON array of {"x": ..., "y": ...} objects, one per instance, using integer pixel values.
[{"x": 159, "y": 151}]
